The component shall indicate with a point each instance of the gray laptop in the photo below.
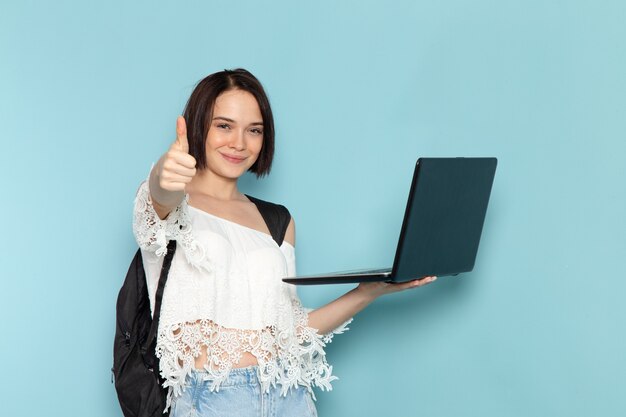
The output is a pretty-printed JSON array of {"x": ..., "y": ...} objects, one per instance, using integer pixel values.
[{"x": 442, "y": 225}]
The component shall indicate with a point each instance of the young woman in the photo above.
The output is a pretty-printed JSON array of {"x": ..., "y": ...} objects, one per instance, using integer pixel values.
[{"x": 233, "y": 338}]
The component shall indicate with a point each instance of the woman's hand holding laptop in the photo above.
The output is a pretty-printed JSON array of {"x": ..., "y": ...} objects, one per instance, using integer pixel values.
[{"x": 376, "y": 289}]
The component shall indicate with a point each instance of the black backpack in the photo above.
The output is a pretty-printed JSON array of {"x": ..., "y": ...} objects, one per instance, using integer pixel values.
[{"x": 135, "y": 366}]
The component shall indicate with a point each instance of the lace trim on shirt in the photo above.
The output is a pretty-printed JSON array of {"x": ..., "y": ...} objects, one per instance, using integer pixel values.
[
  {"x": 153, "y": 234},
  {"x": 289, "y": 357}
]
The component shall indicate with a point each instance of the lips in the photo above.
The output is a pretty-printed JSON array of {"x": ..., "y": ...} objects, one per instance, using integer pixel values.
[{"x": 233, "y": 159}]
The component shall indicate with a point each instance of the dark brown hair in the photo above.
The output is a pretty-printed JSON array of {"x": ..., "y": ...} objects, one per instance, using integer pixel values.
[{"x": 199, "y": 112}]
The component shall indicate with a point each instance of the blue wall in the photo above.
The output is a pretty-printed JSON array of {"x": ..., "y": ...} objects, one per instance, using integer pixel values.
[{"x": 89, "y": 95}]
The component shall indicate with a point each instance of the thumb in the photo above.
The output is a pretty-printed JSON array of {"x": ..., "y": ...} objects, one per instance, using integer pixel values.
[{"x": 181, "y": 134}]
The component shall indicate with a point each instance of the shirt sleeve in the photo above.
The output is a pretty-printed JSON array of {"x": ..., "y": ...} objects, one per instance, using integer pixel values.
[{"x": 153, "y": 233}]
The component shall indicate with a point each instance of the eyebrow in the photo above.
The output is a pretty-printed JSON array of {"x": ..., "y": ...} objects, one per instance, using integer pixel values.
[{"x": 232, "y": 121}]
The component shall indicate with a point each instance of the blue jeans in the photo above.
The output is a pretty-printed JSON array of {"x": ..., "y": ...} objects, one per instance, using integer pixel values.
[{"x": 240, "y": 395}]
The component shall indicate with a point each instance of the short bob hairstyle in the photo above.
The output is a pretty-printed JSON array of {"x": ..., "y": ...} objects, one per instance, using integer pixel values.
[{"x": 199, "y": 112}]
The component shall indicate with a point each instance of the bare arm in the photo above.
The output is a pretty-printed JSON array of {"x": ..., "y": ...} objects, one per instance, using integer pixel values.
[{"x": 337, "y": 312}]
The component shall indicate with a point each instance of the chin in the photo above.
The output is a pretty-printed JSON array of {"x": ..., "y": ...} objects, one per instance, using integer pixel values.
[
  {"x": 226, "y": 171},
  {"x": 232, "y": 174}
]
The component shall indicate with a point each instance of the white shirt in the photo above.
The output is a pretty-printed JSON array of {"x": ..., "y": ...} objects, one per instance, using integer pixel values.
[{"x": 225, "y": 291}]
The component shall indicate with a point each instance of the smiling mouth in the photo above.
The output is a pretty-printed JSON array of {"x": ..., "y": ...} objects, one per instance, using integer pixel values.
[{"x": 233, "y": 159}]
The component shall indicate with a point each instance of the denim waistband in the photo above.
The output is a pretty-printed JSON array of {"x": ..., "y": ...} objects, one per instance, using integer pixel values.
[{"x": 237, "y": 376}]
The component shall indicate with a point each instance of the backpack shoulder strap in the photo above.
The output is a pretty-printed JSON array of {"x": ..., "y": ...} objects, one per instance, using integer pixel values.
[
  {"x": 276, "y": 217},
  {"x": 165, "y": 269}
]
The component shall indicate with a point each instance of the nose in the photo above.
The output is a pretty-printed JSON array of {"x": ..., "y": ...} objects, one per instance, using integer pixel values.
[{"x": 238, "y": 140}]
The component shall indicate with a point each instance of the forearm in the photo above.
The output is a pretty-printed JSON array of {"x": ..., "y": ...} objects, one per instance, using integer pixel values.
[
  {"x": 163, "y": 201},
  {"x": 335, "y": 313}
]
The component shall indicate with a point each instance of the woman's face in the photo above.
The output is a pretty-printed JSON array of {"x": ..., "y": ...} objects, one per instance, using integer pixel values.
[{"x": 235, "y": 136}]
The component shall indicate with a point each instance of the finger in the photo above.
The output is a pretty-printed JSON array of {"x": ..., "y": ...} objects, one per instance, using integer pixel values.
[
  {"x": 401, "y": 286},
  {"x": 181, "y": 134},
  {"x": 172, "y": 186},
  {"x": 182, "y": 158},
  {"x": 183, "y": 171},
  {"x": 171, "y": 177},
  {"x": 171, "y": 169},
  {"x": 428, "y": 279},
  {"x": 422, "y": 281}
]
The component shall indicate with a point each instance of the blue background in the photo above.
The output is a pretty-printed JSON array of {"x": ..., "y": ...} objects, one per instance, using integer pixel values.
[{"x": 89, "y": 94}]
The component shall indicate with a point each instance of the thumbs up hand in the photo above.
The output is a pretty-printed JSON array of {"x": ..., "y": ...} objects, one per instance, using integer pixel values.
[{"x": 176, "y": 168}]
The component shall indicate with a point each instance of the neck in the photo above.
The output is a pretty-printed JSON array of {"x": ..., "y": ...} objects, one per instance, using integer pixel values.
[{"x": 220, "y": 188}]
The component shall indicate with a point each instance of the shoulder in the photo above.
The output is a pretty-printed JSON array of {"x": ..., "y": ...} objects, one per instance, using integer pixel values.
[
  {"x": 290, "y": 234},
  {"x": 277, "y": 217}
]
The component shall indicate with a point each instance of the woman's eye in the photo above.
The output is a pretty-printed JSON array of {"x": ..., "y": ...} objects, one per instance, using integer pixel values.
[
  {"x": 257, "y": 131},
  {"x": 223, "y": 126}
]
